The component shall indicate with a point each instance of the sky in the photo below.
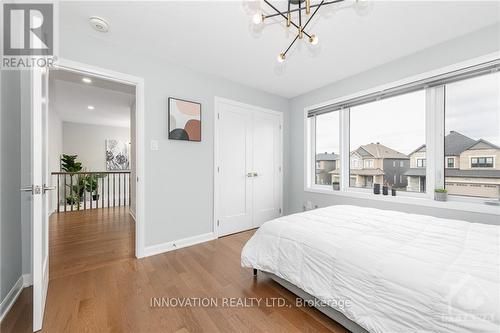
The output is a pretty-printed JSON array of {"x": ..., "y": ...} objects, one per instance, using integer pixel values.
[{"x": 472, "y": 108}]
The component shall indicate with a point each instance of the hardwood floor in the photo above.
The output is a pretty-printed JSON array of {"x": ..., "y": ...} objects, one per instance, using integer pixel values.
[{"x": 97, "y": 285}]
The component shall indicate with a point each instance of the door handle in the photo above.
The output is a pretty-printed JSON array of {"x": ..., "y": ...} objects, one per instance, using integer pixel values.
[
  {"x": 26, "y": 189},
  {"x": 48, "y": 188},
  {"x": 250, "y": 174},
  {"x": 34, "y": 189},
  {"x": 255, "y": 174}
]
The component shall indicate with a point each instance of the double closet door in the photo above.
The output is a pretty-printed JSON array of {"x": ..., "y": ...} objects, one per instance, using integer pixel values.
[{"x": 248, "y": 171}]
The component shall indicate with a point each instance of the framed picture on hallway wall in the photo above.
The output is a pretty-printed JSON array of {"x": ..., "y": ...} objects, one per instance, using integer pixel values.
[
  {"x": 117, "y": 155},
  {"x": 184, "y": 120}
]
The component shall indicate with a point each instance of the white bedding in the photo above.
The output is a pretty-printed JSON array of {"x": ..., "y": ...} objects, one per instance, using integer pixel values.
[{"x": 399, "y": 272}]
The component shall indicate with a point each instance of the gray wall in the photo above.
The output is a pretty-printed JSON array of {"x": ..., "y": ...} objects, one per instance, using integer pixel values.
[
  {"x": 476, "y": 44},
  {"x": 10, "y": 180},
  {"x": 89, "y": 143},
  {"x": 179, "y": 176}
]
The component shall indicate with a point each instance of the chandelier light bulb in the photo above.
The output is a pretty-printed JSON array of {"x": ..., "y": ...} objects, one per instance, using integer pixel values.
[
  {"x": 258, "y": 18},
  {"x": 281, "y": 57},
  {"x": 314, "y": 40}
]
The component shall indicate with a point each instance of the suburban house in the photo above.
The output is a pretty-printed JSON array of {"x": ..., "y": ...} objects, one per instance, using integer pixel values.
[
  {"x": 472, "y": 167},
  {"x": 324, "y": 164},
  {"x": 376, "y": 164}
]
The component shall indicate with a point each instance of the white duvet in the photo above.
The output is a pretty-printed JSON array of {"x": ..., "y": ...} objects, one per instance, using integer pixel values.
[{"x": 397, "y": 272}]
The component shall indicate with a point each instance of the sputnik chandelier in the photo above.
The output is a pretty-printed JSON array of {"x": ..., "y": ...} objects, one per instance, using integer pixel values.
[{"x": 298, "y": 16}]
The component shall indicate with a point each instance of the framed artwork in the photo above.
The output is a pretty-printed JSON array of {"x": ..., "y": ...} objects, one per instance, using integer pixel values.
[
  {"x": 184, "y": 120},
  {"x": 117, "y": 155}
]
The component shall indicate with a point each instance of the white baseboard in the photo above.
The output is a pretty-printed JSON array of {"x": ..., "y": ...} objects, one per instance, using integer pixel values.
[
  {"x": 11, "y": 297},
  {"x": 132, "y": 213},
  {"x": 27, "y": 280},
  {"x": 178, "y": 244}
]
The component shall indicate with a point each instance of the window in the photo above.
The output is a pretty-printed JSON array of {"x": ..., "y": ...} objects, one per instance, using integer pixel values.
[
  {"x": 472, "y": 128},
  {"x": 450, "y": 162},
  {"x": 327, "y": 148},
  {"x": 481, "y": 162},
  {"x": 421, "y": 162},
  {"x": 380, "y": 141},
  {"x": 384, "y": 135}
]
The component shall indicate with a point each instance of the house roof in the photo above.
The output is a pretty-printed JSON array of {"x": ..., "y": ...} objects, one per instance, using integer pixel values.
[
  {"x": 420, "y": 172},
  {"x": 362, "y": 172},
  {"x": 455, "y": 143},
  {"x": 378, "y": 150},
  {"x": 421, "y": 148},
  {"x": 482, "y": 144},
  {"x": 472, "y": 173},
  {"x": 327, "y": 157}
]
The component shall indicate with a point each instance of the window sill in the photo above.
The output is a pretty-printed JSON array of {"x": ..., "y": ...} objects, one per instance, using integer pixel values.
[{"x": 413, "y": 199}]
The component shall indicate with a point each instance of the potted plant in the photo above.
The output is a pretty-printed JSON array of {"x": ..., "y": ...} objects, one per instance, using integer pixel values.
[
  {"x": 71, "y": 165},
  {"x": 440, "y": 194},
  {"x": 385, "y": 189},
  {"x": 336, "y": 186},
  {"x": 92, "y": 185}
]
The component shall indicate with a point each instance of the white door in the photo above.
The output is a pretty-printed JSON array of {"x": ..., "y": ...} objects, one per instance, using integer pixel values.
[
  {"x": 248, "y": 167},
  {"x": 266, "y": 166},
  {"x": 234, "y": 170},
  {"x": 38, "y": 189}
]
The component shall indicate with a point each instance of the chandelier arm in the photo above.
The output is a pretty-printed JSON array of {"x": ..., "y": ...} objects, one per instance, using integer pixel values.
[
  {"x": 293, "y": 42},
  {"x": 296, "y": 10},
  {"x": 282, "y": 14},
  {"x": 314, "y": 13}
]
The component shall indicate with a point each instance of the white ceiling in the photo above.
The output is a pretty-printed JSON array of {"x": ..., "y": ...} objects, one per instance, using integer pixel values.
[
  {"x": 70, "y": 98},
  {"x": 216, "y": 38}
]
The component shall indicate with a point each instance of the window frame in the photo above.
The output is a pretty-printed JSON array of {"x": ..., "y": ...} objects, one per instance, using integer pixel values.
[
  {"x": 448, "y": 159},
  {"x": 434, "y": 140}
]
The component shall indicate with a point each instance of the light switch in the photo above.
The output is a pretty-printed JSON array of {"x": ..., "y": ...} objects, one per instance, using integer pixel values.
[{"x": 154, "y": 145}]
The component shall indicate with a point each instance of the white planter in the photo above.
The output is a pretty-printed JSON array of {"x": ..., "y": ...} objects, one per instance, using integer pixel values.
[{"x": 440, "y": 196}]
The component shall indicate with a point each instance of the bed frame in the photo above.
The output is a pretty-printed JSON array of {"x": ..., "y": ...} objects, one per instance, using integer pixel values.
[{"x": 328, "y": 311}]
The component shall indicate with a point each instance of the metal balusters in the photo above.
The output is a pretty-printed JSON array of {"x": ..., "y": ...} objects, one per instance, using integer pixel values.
[
  {"x": 84, "y": 186},
  {"x": 102, "y": 191},
  {"x": 119, "y": 189}
]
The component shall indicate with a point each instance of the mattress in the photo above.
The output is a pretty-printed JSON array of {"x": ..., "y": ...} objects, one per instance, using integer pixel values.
[{"x": 387, "y": 271}]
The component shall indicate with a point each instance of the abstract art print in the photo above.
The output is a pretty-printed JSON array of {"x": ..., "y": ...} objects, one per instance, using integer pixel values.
[
  {"x": 184, "y": 120},
  {"x": 117, "y": 155}
]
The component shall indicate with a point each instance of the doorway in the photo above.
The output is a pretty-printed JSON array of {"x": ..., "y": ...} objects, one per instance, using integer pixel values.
[{"x": 104, "y": 194}]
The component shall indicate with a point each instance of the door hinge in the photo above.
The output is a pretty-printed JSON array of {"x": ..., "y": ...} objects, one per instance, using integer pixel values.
[
  {"x": 218, "y": 222},
  {"x": 218, "y": 115},
  {"x": 279, "y": 210},
  {"x": 218, "y": 169},
  {"x": 279, "y": 168},
  {"x": 280, "y": 126}
]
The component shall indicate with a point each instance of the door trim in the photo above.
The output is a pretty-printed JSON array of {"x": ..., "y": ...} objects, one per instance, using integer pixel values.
[
  {"x": 138, "y": 82},
  {"x": 218, "y": 100}
]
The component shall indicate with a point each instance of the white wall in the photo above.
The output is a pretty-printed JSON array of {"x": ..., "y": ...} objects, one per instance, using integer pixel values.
[
  {"x": 476, "y": 44},
  {"x": 55, "y": 148},
  {"x": 179, "y": 176},
  {"x": 133, "y": 173},
  {"x": 89, "y": 143}
]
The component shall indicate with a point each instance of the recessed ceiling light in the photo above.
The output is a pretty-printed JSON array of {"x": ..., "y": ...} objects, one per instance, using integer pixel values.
[
  {"x": 91, "y": 107},
  {"x": 87, "y": 80}
]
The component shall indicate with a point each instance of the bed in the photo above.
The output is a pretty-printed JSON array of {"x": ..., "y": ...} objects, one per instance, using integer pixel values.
[{"x": 385, "y": 271}]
